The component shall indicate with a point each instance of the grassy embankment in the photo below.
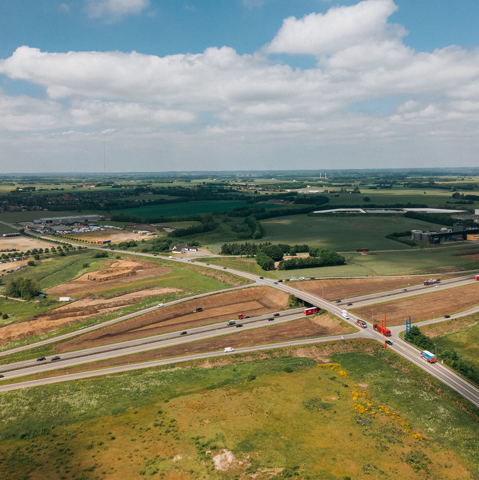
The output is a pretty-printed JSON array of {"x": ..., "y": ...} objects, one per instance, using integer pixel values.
[
  {"x": 247, "y": 265},
  {"x": 277, "y": 413}
]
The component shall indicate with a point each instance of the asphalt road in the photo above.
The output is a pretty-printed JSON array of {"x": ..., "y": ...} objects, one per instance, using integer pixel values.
[{"x": 449, "y": 378}]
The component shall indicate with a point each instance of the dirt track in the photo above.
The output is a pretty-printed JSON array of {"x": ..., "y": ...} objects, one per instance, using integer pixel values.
[
  {"x": 296, "y": 329},
  {"x": 22, "y": 244},
  {"x": 423, "y": 307},
  {"x": 87, "y": 307},
  {"x": 344, "y": 288},
  {"x": 119, "y": 273},
  {"x": 223, "y": 306}
]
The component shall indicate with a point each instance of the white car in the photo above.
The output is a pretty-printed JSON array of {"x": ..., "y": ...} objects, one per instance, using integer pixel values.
[
  {"x": 301, "y": 278},
  {"x": 170, "y": 256},
  {"x": 229, "y": 349},
  {"x": 160, "y": 305}
]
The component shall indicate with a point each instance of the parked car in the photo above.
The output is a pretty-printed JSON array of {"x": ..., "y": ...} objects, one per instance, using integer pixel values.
[{"x": 41, "y": 359}]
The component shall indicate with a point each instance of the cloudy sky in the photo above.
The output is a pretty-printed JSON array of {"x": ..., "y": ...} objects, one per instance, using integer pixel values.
[{"x": 237, "y": 84}]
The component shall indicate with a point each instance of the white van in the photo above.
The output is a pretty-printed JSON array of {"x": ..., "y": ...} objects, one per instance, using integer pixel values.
[
  {"x": 345, "y": 314},
  {"x": 229, "y": 349},
  {"x": 160, "y": 305}
]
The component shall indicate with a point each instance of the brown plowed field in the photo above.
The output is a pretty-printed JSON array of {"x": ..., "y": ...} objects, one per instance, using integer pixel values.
[
  {"x": 216, "y": 308},
  {"x": 424, "y": 306},
  {"x": 354, "y": 287},
  {"x": 119, "y": 273},
  {"x": 321, "y": 325},
  {"x": 87, "y": 307}
]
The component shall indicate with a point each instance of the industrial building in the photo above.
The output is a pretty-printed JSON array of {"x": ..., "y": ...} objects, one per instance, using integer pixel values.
[
  {"x": 454, "y": 234},
  {"x": 70, "y": 220}
]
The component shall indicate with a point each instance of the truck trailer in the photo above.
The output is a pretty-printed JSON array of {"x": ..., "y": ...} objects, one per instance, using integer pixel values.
[
  {"x": 310, "y": 310},
  {"x": 476, "y": 277},
  {"x": 428, "y": 356},
  {"x": 432, "y": 281}
]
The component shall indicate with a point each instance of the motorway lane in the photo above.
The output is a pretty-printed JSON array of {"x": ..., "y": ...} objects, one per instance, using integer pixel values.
[
  {"x": 449, "y": 378},
  {"x": 168, "y": 361},
  {"x": 148, "y": 343}
]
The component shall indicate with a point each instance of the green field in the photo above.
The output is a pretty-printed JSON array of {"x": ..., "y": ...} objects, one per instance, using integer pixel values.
[
  {"x": 12, "y": 217},
  {"x": 247, "y": 265},
  {"x": 464, "y": 341},
  {"x": 188, "y": 208},
  {"x": 6, "y": 229},
  {"x": 342, "y": 233},
  {"x": 280, "y": 416}
]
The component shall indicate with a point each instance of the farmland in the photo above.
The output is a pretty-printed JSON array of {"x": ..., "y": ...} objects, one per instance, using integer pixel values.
[
  {"x": 423, "y": 307},
  {"x": 187, "y": 208},
  {"x": 223, "y": 419},
  {"x": 242, "y": 264},
  {"x": 342, "y": 233}
]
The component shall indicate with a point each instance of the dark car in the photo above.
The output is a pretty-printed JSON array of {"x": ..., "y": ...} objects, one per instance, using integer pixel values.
[
  {"x": 183, "y": 333},
  {"x": 261, "y": 278},
  {"x": 280, "y": 281},
  {"x": 276, "y": 315},
  {"x": 447, "y": 316},
  {"x": 338, "y": 301},
  {"x": 349, "y": 303},
  {"x": 54, "y": 359},
  {"x": 389, "y": 342},
  {"x": 286, "y": 280},
  {"x": 276, "y": 283},
  {"x": 404, "y": 289},
  {"x": 239, "y": 325},
  {"x": 41, "y": 359},
  {"x": 247, "y": 316},
  {"x": 1, "y": 376},
  {"x": 270, "y": 319},
  {"x": 224, "y": 268}
]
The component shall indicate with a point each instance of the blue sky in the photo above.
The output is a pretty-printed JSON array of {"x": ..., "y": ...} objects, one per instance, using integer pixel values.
[{"x": 369, "y": 84}]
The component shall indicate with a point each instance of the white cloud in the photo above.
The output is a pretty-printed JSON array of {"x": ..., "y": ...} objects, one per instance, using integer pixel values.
[
  {"x": 219, "y": 104},
  {"x": 338, "y": 29},
  {"x": 115, "y": 9}
]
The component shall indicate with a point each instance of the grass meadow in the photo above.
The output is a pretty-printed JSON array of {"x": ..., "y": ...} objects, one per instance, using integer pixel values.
[{"x": 269, "y": 414}]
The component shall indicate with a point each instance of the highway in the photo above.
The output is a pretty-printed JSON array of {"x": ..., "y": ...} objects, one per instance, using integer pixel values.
[{"x": 449, "y": 378}]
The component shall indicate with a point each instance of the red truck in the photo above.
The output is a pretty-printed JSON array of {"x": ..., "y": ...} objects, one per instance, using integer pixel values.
[
  {"x": 310, "y": 310},
  {"x": 241, "y": 316},
  {"x": 362, "y": 249},
  {"x": 476, "y": 277},
  {"x": 385, "y": 331},
  {"x": 432, "y": 281}
]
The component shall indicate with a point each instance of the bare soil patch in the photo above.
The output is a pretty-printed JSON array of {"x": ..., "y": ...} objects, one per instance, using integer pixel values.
[
  {"x": 120, "y": 273},
  {"x": 23, "y": 244},
  {"x": 216, "y": 308},
  {"x": 113, "y": 235},
  {"x": 296, "y": 329},
  {"x": 88, "y": 306},
  {"x": 354, "y": 287},
  {"x": 423, "y": 307},
  {"x": 447, "y": 327}
]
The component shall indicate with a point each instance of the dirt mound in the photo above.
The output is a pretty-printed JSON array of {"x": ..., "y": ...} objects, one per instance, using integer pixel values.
[
  {"x": 119, "y": 273},
  {"x": 89, "y": 306},
  {"x": 424, "y": 307},
  {"x": 223, "y": 306},
  {"x": 354, "y": 287}
]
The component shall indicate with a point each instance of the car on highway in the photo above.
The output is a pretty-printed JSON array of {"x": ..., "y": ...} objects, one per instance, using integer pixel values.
[
  {"x": 436, "y": 286},
  {"x": 301, "y": 278},
  {"x": 280, "y": 281},
  {"x": 54, "y": 359},
  {"x": 170, "y": 256},
  {"x": 1, "y": 376},
  {"x": 447, "y": 316},
  {"x": 261, "y": 278},
  {"x": 239, "y": 325},
  {"x": 270, "y": 319},
  {"x": 184, "y": 333},
  {"x": 207, "y": 264},
  {"x": 155, "y": 255},
  {"x": 389, "y": 342},
  {"x": 349, "y": 303},
  {"x": 41, "y": 359},
  {"x": 160, "y": 305},
  {"x": 404, "y": 289},
  {"x": 276, "y": 283},
  {"x": 224, "y": 268},
  {"x": 338, "y": 301},
  {"x": 229, "y": 349},
  {"x": 276, "y": 315}
]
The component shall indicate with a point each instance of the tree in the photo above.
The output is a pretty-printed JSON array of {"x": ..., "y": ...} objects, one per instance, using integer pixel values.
[
  {"x": 273, "y": 251},
  {"x": 31, "y": 263},
  {"x": 25, "y": 288},
  {"x": 36, "y": 257}
]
